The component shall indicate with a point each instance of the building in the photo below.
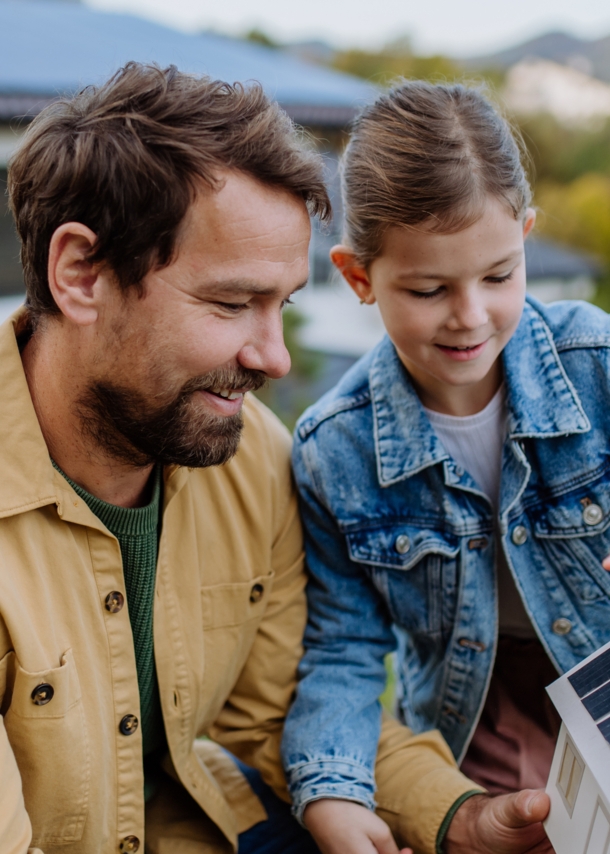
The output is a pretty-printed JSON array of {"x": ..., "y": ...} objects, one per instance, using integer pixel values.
[
  {"x": 579, "y": 781},
  {"x": 54, "y": 47},
  {"x": 568, "y": 93}
]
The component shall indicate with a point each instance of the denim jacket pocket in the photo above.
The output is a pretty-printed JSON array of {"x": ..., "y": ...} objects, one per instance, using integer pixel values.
[
  {"x": 46, "y": 726},
  {"x": 399, "y": 546},
  {"x": 574, "y": 533},
  {"x": 416, "y": 572}
]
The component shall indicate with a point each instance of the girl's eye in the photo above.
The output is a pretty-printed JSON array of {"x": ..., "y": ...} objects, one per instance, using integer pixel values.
[
  {"x": 286, "y": 302},
  {"x": 426, "y": 294},
  {"x": 497, "y": 280}
]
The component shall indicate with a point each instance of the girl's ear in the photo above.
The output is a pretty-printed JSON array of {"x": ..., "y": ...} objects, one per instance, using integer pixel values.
[
  {"x": 353, "y": 272},
  {"x": 529, "y": 222}
]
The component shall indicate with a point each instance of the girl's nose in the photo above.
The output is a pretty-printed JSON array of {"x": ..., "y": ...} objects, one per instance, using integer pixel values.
[{"x": 468, "y": 311}]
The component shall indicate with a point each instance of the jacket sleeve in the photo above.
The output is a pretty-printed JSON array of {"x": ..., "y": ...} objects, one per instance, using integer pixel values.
[
  {"x": 250, "y": 724},
  {"x": 332, "y": 731},
  {"x": 15, "y": 827},
  {"x": 336, "y": 743}
]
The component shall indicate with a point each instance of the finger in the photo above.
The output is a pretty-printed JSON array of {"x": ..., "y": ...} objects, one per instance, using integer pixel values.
[
  {"x": 383, "y": 841},
  {"x": 606, "y": 562},
  {"x": 526, "y": 807}
]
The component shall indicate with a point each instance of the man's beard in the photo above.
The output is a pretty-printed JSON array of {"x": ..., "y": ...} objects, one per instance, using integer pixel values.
[{"x": 124, "y": 424}]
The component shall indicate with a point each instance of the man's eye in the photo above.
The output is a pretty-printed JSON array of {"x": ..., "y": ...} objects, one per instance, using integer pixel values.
[
  {"x": 233, "y": 307},
  {"x": 286, "y": 302}
]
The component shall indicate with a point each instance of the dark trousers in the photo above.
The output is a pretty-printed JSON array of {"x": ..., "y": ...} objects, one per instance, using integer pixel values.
[{"x": 280, "y": 833}]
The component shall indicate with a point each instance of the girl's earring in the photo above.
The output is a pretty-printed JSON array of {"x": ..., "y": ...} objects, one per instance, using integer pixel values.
[{"x": 362, "y": 302}]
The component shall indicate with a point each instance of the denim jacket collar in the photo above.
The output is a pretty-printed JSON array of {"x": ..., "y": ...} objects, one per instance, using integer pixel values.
[{"x": 541, "y": 401}]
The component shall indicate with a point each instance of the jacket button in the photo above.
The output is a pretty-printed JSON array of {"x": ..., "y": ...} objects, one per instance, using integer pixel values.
[
  {"x": 129, "y": 844},
  {"x": 593, "y": 514},
  {"x": 256, "y": 594},
  {"x": 114, "y": 601},
  {"x": 519, "y": 535},
  {"x": 562, "y": 626},
  {"x": 402, "y": 544},
  {"x": 42, "y": 694},
  {"x": 128, "y": 726}
]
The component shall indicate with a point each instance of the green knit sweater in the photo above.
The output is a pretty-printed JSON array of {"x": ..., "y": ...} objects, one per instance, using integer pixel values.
[{"x": 137, "y": 529}]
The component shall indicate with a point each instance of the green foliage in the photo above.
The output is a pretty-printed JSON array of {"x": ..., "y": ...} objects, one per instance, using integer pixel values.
[
  {"x": 260, "y": 37},
  {"x": 562, "y": 154},
  {"x": 577, "y": 213},
  {"x": 289, "y": 396},
  {"x": 571, "y": 171},
  {"x": 394, "y": 60}
]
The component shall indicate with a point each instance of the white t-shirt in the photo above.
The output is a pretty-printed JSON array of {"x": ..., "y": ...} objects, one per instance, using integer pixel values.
[{"x": 475, "y": 442}]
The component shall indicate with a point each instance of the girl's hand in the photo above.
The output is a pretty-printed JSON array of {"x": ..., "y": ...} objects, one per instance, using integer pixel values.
[
  {"x": 606, "y": 563},
  {"x": 344, "y": 827}
]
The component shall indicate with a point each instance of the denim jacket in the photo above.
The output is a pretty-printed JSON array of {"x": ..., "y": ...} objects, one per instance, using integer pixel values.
[{"x": 400, "y": 545}]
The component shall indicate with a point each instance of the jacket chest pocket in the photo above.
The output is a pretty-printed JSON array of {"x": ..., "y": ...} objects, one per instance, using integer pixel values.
[
  {"x": 574, "y": 533},
  {"x": 231, "y": 616},
  {"x": 46, "y": 727},
  {"x": 416, "y": 572}
]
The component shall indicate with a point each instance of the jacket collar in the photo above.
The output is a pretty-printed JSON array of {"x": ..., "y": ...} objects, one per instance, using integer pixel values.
[
  {"x": 28, "y": 478},
  {"x": 541, "y": 401}
]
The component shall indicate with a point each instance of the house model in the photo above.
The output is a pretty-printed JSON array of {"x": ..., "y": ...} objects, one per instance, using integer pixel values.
[{"x": 579, "y": 782}]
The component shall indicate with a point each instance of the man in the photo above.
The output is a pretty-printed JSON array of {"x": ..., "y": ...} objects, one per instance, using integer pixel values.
[{"x": 151, "y": 582}]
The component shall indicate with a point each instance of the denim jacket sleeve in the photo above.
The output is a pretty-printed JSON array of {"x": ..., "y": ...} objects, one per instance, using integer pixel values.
[{"x": 332, "y": 732}]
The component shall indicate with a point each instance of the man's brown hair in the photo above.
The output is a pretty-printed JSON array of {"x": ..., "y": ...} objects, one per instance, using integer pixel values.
[
  {"x": 125, "y": 160},
  {"x": 428, "y": 156}
]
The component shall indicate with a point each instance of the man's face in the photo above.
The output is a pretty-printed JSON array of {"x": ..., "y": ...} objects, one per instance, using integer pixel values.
[{"x": 169, "y": 370}]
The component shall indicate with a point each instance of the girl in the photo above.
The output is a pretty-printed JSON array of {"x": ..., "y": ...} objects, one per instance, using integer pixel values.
[{"x": 455, "y": 484}]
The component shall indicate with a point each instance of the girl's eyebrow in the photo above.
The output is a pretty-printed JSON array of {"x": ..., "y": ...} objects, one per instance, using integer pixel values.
[{"x": 414, "y": 274}]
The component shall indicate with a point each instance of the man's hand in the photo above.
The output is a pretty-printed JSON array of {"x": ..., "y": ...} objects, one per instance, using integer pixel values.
[
  {"x": 344, "y": 827},
  {"x": 506, "y": 824}
]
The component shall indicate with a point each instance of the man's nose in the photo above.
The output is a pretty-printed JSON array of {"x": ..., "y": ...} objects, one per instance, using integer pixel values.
[{"x": 265, "y": 350}]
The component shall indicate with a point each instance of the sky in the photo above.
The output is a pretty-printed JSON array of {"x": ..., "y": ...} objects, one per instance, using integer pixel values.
[{"x": 454, "y": 27}]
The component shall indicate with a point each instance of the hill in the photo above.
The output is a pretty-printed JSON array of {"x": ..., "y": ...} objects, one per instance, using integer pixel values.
[{"x": 589, "y": 55}]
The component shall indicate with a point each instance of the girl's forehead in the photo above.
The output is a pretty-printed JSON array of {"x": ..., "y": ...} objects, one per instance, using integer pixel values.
[{"x": 494, "y": 236}]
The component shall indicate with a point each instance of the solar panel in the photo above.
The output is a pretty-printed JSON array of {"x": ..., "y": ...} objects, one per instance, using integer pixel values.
[
  {"x": 592, "y": 675},
  {"x": 604, "y": 728},
  {"x": 598, "y": 703}
]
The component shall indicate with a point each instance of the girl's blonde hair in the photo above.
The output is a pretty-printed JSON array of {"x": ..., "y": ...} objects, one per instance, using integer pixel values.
[{"x": 428, "y": 155}]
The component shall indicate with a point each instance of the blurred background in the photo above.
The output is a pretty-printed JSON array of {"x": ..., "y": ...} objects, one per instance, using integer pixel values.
[{"x": 548, "y": 68}]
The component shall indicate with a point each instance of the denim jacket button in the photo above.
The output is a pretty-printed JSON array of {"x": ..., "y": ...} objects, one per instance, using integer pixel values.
[
  {"x": 519, "y": 535},
  {"x": 562, "y": 626},
  {"x": 592, "y": 514},
  {"x": 402, "y": 544}
]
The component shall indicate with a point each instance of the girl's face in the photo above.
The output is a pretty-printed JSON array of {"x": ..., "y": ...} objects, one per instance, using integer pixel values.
[{"x": 450, "y": 303}]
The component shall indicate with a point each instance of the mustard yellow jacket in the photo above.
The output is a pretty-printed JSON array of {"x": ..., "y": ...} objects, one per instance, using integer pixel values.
[{"x": 228, "y": 618}]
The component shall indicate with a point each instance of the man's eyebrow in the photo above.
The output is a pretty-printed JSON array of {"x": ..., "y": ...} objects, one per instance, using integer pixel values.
[
  {"x": 414, "y": 274},
  {"x": 240, "y": 287}
]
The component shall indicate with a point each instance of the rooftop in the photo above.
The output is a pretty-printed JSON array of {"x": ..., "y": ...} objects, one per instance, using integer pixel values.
[{"x": 51, "y": 47}]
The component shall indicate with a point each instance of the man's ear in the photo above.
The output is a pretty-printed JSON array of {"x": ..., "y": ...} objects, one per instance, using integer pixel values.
[
  {"x": 74, "y": 281},
  {"x": 353, "y": 272},
  {"x": 529, "y": 222}
]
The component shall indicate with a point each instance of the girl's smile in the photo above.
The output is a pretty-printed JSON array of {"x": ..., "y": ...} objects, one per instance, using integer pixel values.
[{"x": 450, "y": 302}]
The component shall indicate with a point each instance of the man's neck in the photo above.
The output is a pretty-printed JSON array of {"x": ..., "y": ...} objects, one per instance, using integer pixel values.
[{"x": 54, "y": 378}]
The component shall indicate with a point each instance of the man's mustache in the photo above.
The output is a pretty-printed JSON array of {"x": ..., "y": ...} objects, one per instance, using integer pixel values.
[{"x": 229, "y": 379}]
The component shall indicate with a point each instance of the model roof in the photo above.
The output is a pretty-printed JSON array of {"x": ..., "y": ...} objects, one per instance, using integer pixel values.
[{"x": 591, "y": 681}]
